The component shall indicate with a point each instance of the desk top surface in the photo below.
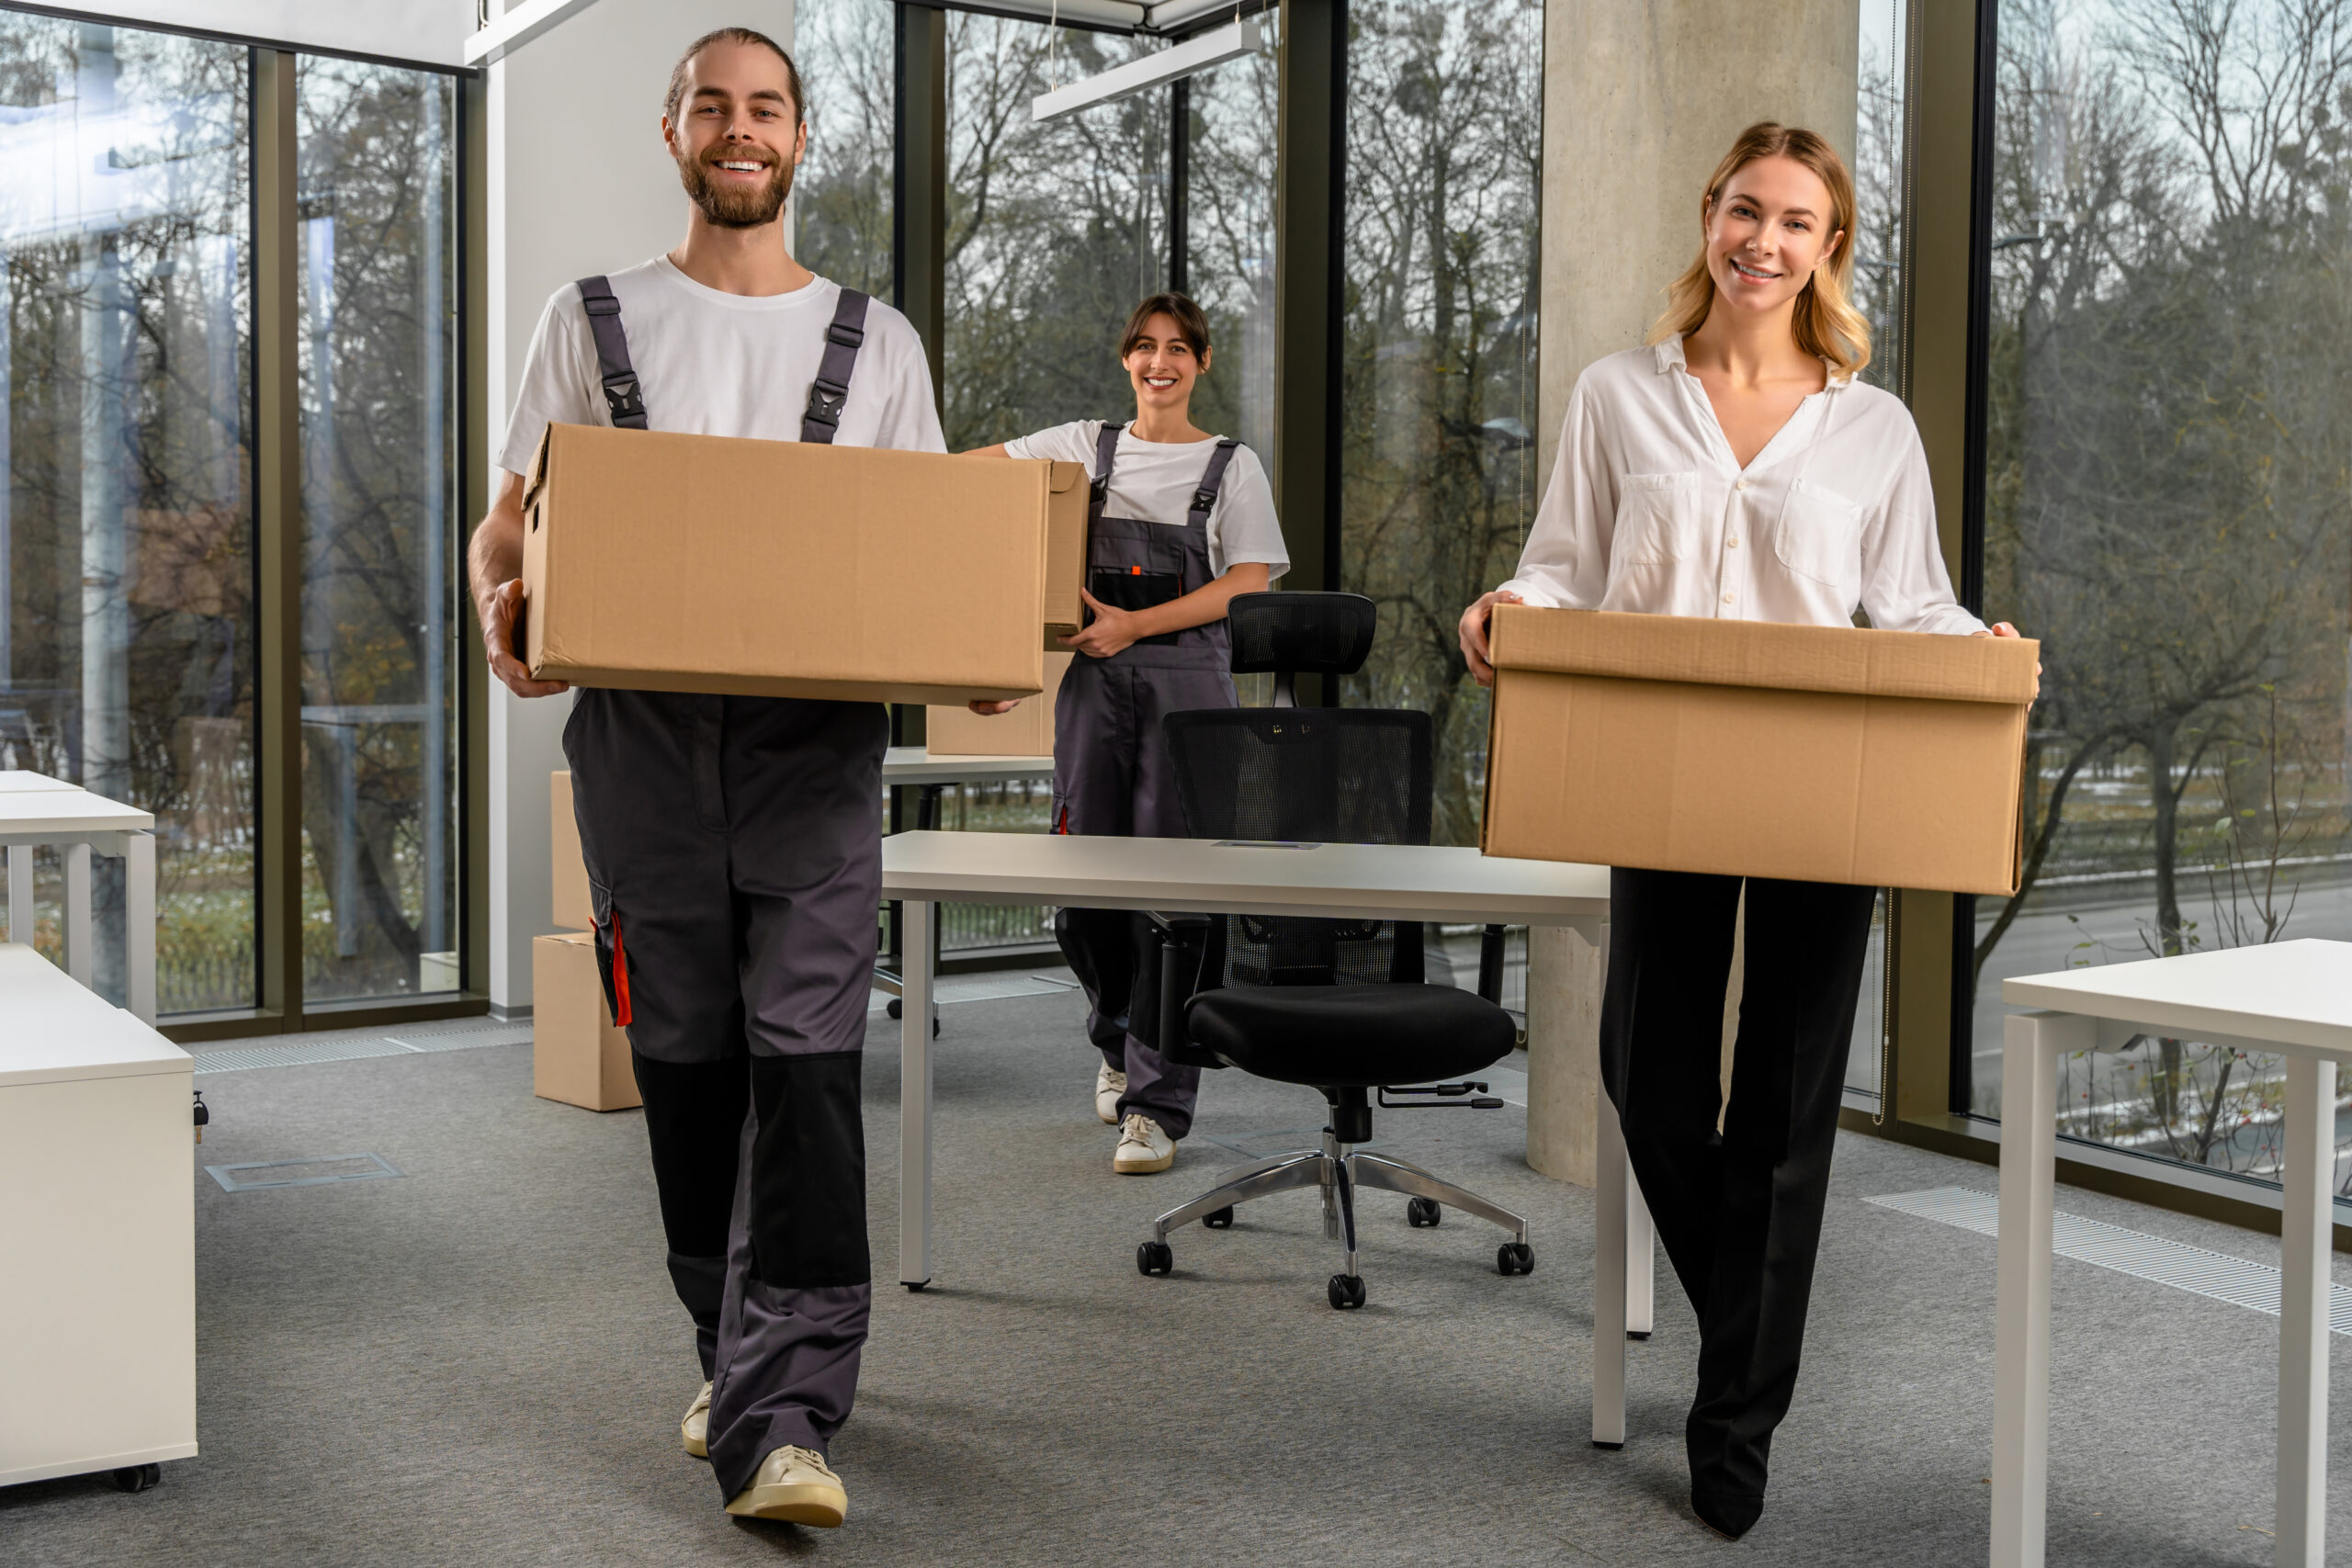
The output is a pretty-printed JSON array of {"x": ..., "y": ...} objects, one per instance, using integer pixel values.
[
  {"x": 1387, "y": 881},
  {"x": 2297, "y": 993},
  {"x": 53, "y": 1030},
  {"x": 914, "y": 765},
  {"x": 48, "y": 806}
]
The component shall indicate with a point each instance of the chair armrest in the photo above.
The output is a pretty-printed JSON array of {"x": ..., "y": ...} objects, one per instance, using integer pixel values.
[
  {"x": 1173, "y": 924},
  {"x": 1490, "y": 964},
  {"x": 1174, "y": 970}
]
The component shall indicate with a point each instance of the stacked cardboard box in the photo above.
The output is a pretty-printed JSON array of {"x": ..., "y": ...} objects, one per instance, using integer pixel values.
[
  {"x": 1743, "y": 748},
  {"x": 578, "y": 1055}
]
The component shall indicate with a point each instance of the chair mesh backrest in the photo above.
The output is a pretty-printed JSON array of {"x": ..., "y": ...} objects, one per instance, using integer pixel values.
[
  {"x": 1325, "y": 634},
  {"x": 1311, "y": 775}
]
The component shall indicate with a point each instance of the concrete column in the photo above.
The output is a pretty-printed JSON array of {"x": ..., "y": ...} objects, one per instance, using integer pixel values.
[
  {"x": 611, "y": 201},
  {"x": 1640, "y": 98}
]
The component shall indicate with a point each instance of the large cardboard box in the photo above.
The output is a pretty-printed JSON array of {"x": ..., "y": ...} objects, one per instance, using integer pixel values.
[
  {"x": 1744, "y": 747},
  {"x": 574, "y": 907},
  {"x": 578, "y": 1055},
  {"x": 1026, "y": 732},
  {"x": 700, "y": 563}
]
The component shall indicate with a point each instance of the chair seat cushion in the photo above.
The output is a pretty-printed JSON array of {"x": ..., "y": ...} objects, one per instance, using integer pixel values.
[{"x": 1350, "y": 1036}]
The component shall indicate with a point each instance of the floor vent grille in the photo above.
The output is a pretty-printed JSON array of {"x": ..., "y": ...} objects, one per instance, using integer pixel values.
[
  {"x": 312, "y": 1170},
  {"x": 2151, "y": 1258}
]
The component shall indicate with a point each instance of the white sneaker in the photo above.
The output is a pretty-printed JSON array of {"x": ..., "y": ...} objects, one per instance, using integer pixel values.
[
  {"x": 694, "y": 1431},
  {"x": 796, "y": 1486},
  {"x": 1108, "y": 1087},
  {"x": 1143, "y": 1148}
]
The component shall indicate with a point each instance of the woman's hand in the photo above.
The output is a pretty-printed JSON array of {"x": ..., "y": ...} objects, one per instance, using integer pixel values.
[
  {"x": 989, "y": 710},
  {"x": 1112, "y": 630},
  {"x": 2003, "y": 628},
  {"x": 1473, "y": 635}
]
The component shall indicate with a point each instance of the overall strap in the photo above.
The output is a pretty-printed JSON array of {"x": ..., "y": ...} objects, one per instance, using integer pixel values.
[
  {"x": 1106, "y": 452},
  {"x": 1204, "y": 498},
  {"x": 829, "y": 392},
  {"x": 623, "y": 396}
]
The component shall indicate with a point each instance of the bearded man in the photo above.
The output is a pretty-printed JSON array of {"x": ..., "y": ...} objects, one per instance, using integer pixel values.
[{"x": 733, "y": 843}]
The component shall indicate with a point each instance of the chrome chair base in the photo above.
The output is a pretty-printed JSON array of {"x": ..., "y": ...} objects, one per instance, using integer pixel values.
[{"x": 1341, "y": 1173}]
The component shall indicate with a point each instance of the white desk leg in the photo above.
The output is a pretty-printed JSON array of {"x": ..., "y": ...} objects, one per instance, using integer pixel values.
[
  {"x": 2304, "y": 1256},
  {"x": 914, "y": 1097},
  {"x": 79, "y": 952},
  {"x": 1641, "y": 1261},
  {"x": 139, "y": 915},
  {"x": 20, "y": 894},
  {"x": 2022, "y": 1306},
  {"x": 1612, "y": 1183}
]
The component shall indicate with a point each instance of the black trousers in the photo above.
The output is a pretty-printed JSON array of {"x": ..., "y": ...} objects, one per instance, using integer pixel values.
[
  {"x": 734, "y": 852},
  {"x": 1739, "y": 1211}
]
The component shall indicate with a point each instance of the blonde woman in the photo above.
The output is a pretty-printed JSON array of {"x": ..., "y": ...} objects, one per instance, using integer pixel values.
[{"x": 1735, "y": 467}]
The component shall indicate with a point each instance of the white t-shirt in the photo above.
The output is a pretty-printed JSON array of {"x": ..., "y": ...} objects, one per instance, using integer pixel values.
[
  {"x": 1153, "y": 482},
  {"x": 714, "y": 364}
]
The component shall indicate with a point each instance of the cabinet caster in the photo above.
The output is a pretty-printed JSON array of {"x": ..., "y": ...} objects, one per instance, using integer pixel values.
[
  {"x": 1154, "y": 1258},
  {"x": 1421, "y": 1213},
  {"x": 1347, "y": 1292},
  {"x": 897, "y": 1007},
  {"x": 1514, "y": 1257},
  {"x": 1218, "y": 1219},
  {"x": 137, "y": 1477}
]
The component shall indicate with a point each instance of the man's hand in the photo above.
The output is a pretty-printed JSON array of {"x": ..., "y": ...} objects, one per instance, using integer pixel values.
[
  {"x": 1474, "y": 651},
  {"x": 989, "y": 710},
  {"x": 497, "y": 612},
  {"x": 1112, "y": 630}
]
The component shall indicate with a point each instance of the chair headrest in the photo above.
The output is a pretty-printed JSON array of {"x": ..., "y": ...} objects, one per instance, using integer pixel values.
[{"x": 1321, "y": 634}]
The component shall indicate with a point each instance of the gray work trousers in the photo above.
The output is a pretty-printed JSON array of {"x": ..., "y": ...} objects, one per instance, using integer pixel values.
[
  {"x": 733, "y": 847},
  {"x": 1113, "y": 775}
]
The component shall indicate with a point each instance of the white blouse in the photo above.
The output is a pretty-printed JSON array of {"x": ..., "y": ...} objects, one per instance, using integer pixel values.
[{"x": 1649, "y": 511}]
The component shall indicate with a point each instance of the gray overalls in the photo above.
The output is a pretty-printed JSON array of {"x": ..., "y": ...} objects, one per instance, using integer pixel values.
[
  {"x": 1112, "y": 770},
  {"x": 734, "y": 851}
]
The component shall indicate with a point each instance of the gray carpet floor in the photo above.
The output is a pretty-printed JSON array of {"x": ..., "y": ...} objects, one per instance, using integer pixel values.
[{"x": 482, "y": 1362}]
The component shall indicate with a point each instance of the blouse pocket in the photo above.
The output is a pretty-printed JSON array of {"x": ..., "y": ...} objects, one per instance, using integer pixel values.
[
  {"x": 1820, "y": 536},
  {"x": 1657, "y": 519}
]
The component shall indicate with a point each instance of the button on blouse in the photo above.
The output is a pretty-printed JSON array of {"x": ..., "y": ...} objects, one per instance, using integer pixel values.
[{"x": 1649, "y": 512}]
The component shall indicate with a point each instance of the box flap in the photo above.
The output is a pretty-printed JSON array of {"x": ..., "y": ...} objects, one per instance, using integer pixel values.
[
  {"x": 1766, "y": 654},
  {"x": 1063, "y": 477},
  {"x": 538, "y": 474}
]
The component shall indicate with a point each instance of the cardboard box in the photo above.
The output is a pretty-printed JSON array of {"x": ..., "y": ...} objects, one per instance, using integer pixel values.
[
  {"x": 1065, "y": 611},
  {"x": 699, "y": 563},
  {"x": 1743, "y": 748},
  {"x": 1026, "y": 732},
  {"x": 574, "y": 907},
  {"x": 577, "y": 1055}
]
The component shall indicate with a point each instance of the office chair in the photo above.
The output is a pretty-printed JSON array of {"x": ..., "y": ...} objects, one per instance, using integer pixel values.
[{"x": 1340, "y": 1006}]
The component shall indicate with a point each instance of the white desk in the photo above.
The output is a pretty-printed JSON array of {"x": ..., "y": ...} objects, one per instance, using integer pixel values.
[
  {"x": 2291, "y": 998},
  {"x": 1344, "y": 880},
  {"x": 97, "y": 1231},
  {"x": 914, "y": 765},
  {"x": 35, "y": 809}
]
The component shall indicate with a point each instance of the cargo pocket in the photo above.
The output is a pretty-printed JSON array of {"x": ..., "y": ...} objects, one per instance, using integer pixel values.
[
  {"x": 1657, "y": 520},
  {"x": 1819, "y": 537},
  {"x": 612, "y": 960},
  {"x": 1134, "y": 587}
]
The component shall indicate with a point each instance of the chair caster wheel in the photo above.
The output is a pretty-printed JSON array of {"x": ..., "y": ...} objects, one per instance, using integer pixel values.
[
  {"x": 896, "y": 1007},
  {"x": 1347, "y": 1292},
  {"x": 1514, "y": 1257},
  {"x": 1154, "y": 1258},
  {"x": 1422, "y": 1213},
  {"x": 1219, "y": 1219},
  {"x": 137, "y": 1477}
]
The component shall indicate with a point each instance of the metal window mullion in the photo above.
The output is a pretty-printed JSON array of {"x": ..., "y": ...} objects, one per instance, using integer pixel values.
[
  {"x": 474, "y": 416},
  {"x": 277, "y": 508}
]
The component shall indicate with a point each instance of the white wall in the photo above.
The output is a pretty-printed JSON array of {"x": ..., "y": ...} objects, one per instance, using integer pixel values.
[{"x": 579, "y": 184}]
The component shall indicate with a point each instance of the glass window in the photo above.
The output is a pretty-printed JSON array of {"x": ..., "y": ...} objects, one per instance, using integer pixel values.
[
  {"x": 2170, "y": 508},
  {"x": 1229, "y": 241},
  {"x": 841, "y": 204},
  {"x": 1055, "y": 231},
  {"x": 126, "y": 611},
  {"x": 1438, "y": 477},
  {"x": 378, "y": 257}
]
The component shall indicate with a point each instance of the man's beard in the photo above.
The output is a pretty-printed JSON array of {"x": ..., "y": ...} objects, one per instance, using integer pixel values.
[{"x": 727, "y": 205}]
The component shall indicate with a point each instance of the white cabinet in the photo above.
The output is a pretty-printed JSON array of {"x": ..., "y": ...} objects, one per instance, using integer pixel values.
[{"x": 98, "y": 1232}]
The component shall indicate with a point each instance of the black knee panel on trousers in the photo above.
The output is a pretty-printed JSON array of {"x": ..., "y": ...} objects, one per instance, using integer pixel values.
[
  {"x": 807, "y": 1219},
  {"x": 693, "y": 1120}
]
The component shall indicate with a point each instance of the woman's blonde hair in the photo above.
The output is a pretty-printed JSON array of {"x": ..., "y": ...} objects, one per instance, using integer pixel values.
[{"x": 1826, "y": 325}]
